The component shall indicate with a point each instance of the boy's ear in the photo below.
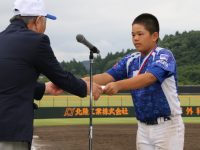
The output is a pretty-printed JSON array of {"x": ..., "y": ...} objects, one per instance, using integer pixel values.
[{"x": 155, "y": 36}]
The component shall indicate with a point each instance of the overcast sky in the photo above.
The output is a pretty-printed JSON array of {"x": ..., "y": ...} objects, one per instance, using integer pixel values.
[{"x": 107, "y": 23}]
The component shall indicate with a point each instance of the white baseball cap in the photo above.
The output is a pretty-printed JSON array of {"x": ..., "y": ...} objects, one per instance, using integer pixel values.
[{"x": 31, "y": 8}]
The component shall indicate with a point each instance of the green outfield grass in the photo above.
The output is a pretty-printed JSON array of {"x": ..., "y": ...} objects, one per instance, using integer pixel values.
[
  {"x": 85, "y": 121},
  {"x": 116, "y": 100}
]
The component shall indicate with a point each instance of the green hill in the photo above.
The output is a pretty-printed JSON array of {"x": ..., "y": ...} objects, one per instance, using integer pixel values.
[{"x": 185, "y": 47}]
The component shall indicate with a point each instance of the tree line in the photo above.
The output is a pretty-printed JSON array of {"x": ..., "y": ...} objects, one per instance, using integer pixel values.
[{"x": 185, "y": 47}]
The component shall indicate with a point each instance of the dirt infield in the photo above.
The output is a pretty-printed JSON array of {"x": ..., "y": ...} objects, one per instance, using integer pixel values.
[{"x": 106, "y": 137}]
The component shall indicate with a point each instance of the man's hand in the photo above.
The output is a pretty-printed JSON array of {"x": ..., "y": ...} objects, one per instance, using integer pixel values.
[
  {"x": 52, "y": 89},
  {"x": 96, "y": 90},
  {"x": 111, "y": 88}
]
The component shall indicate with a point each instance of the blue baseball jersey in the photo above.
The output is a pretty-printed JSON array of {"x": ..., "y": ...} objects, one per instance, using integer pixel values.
[{"x": 159, "y": 99}]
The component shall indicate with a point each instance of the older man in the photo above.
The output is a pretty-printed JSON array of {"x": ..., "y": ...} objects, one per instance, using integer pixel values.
[{"x": 25, "y": 52}]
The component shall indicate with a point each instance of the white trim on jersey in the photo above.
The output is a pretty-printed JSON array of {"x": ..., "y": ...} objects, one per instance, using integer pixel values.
[
  {"x": 168, "y": 85},
  {"x": 170, "y": 90},
  {"x": 158, "y": 49},
  {"x": 133, "y": 56},
  {"x": 138, "y": 54}
]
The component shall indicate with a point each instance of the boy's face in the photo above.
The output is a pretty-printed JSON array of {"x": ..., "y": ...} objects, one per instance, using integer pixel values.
[{"x": 142, "y": 39}]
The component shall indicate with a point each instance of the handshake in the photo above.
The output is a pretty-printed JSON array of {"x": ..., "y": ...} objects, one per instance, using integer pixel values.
[
  {"x": 110, "y": 89},
  {"x": 97, "y": 90}
]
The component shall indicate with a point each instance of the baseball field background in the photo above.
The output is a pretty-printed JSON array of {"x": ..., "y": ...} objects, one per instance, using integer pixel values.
[
  {"x": 109, "y": 133},
  {"x": 117, "y": 100}
]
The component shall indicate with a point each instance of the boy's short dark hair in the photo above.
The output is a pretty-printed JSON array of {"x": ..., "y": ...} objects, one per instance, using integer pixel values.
[{"x": 149, "y": 21}]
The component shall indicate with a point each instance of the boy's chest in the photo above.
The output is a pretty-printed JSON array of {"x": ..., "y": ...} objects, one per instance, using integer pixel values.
[{"x": 137, "y": 66}]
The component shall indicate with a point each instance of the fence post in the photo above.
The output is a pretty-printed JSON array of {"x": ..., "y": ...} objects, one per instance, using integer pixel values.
[
  {"x": 67, "y": 100},
  {"x": 53, "y": 101},
  {"x": 108, "y": 100},
  {"x": 94, "y": 103},
  {"x": 121, "y": 101},
  {"x": 189, "y": 101}
]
